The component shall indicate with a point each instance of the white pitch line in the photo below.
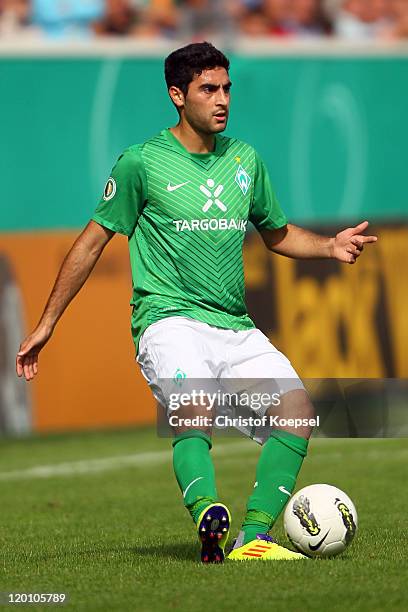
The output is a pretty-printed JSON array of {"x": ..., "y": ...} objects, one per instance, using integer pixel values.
[{"x": 105, "y": 464}]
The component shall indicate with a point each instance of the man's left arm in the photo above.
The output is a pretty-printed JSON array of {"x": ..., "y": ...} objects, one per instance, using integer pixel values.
[{"x": 293, "y": 241}]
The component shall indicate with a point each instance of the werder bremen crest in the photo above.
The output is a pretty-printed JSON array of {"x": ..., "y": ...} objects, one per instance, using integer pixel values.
[{"x": 243, "y": 179}]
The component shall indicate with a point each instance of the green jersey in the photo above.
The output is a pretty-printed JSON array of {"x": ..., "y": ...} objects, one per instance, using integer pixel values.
[{"x": 185, "y": 215}]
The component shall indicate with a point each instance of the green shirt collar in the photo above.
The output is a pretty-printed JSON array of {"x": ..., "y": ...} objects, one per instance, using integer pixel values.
[{"x": 204, "y": 157}]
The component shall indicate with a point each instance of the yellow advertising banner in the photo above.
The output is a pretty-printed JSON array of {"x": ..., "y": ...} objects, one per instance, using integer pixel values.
[
  {"x": 330, "y": 319},
  {"x": 333, "y": 319}
]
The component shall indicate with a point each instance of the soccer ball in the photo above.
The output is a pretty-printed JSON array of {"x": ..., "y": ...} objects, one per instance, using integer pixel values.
[{"x": 320, "y": 520}]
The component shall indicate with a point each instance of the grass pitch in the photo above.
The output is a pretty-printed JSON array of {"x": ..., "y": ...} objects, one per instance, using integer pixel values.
[{"x": 99, "y": 516}]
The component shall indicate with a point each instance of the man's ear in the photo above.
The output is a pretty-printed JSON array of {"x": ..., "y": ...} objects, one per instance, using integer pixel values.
[{"x": 177, "y": 96}]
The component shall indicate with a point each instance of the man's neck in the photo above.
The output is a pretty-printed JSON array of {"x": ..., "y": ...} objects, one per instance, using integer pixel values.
[{"x": 193, "y": 141}]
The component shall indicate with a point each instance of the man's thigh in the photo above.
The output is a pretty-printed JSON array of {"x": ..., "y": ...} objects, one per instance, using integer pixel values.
[
  {"x": 259, "y": 369},
  {"x": 177, "y": 360},
  {"x": 255, "y": 357},
  {"x": 177, "y": 345}
]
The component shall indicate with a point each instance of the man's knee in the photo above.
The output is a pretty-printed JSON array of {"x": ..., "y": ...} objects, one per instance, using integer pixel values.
[
  {"x": 191, "y": 418},
  {"x": 296, "y": 412}
]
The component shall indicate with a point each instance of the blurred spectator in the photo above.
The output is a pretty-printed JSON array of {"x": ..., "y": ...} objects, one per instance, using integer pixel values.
[
  {"x": 164, "y": 14},
  {"x": 14, "y": 17},
  {"x": 202, "y": 19},
  {"x": 307, "y": 19},
  {"x": 253, "y": 22},
  {"x": 398, "y": 28},
  {"x": 278, "y": 14},
  {"x": 130, "y": 18},
  {"x": 119, "y": 19},
  {"x": 300, "y": 18},
  {"x": 67, "y": 18},
  {"x": 361, "y": 19}
]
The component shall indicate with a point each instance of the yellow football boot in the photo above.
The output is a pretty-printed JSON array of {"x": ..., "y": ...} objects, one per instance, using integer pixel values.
[{"x": 264, "y": 548}]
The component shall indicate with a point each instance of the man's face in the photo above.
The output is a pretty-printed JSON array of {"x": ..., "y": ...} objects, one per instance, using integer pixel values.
[{"x": 206, "y": 105}]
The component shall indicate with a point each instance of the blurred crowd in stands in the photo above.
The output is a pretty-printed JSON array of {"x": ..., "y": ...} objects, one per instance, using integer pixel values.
[{"x": 354, "y": 20}]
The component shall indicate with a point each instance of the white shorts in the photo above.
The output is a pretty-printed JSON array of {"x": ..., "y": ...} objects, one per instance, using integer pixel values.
[{"x": 182, "y": 348}]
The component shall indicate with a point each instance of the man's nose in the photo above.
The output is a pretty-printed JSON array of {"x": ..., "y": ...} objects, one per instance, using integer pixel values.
[{"x": 222, "y": 97}]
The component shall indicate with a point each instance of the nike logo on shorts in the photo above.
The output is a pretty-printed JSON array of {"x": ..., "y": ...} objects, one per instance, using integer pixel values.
[{"x": 171, "y": 187}]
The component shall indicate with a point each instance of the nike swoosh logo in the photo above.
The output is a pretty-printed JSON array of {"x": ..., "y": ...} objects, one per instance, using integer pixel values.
[
  {"x": 316, "y": 546},
  {"x": 191, "y": 484},
  {"x": 174, "y": 187},
  {"x": 283, "y": 490}
]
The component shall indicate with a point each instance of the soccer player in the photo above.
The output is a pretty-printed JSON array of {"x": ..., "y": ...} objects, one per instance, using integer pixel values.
[{"x": 183, "y": 199}]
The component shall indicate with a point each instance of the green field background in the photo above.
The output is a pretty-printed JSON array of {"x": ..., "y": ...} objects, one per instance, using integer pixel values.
[
  {"x": 332, "y": 130},
  {"x": 98, "y": 516}
]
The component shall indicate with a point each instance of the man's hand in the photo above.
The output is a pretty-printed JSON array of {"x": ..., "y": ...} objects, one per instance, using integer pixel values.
[
  {"x": 27, "y": 356},
  {"x": 347, "y": 245},
  {"x": 75, "y": 269},
  {"x": 300, "y": 243}
]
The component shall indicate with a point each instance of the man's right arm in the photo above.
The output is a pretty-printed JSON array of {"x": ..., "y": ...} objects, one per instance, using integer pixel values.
[{"x": 74, "y": 271}]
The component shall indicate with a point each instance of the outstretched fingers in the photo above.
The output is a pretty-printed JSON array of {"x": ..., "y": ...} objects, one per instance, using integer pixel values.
[
  {"x": 27, "y": 365},
  {"x": 19, "y": 365},
  {"x": 361, "y": 227},
  {"x": 358, "y": 229}
]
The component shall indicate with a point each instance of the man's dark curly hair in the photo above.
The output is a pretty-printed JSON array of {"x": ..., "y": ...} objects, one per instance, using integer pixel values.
[{"x": 182, "y": 65}]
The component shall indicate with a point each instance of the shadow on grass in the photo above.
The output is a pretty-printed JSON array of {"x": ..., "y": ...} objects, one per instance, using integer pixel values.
[{"x": 182, "y": 551}]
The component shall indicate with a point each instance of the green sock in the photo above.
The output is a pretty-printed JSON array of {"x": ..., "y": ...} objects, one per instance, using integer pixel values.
[
  {"x": 194, "y": 470},
  {"x": 278, "y": 466}
]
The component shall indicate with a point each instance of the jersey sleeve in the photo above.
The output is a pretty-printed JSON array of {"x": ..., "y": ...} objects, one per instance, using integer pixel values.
[
  {"x": 124, "y": 195},
  {"x": 265, "y": 212}
]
